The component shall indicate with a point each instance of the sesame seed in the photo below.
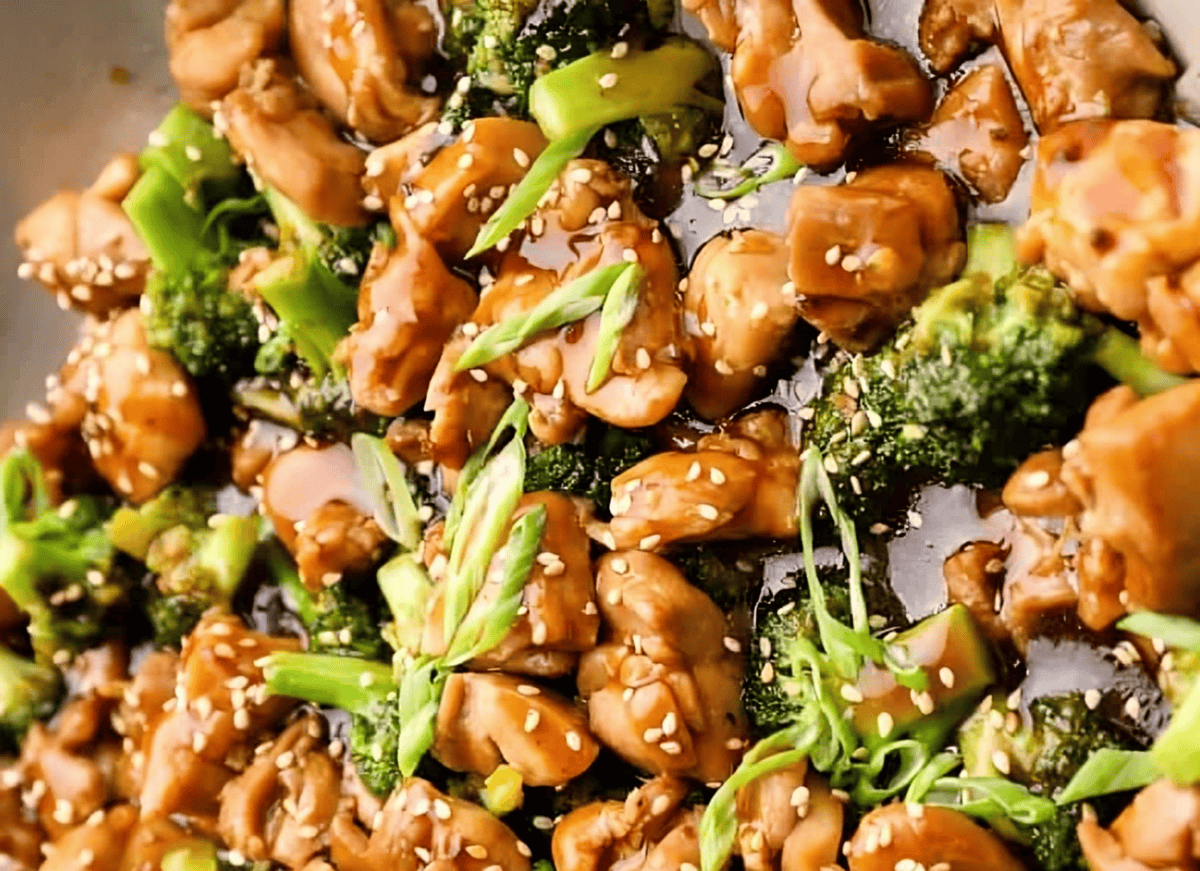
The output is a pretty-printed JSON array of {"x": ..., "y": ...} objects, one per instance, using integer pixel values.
[
  {"x": 478, "y": 851},
  {"x": 851, "y": 693},
  {"x": 574, "y": 741},
  {"x": 441, "y": 809},
  {"x": 643, "y": 358},
  {"x": 1091, "y": 698},
  {"x": 732, "y": 644},
  {"x": 650, "y": 542},
  {"x": 669, "y": 723},
  {"x": 707, "y": 150},
  {"x": 532, "y": 718},
  {"x": 671, "y": 748},
  {"x": 946, "y": 676},
  {"x": 767, "y": 675},
  {"x": 1133, "y": 708},
  {"x": 528, "y": 690},
  {"x": 1001, "y": 762},
  {"x": 629, "y": 255},
  {"x": 608, "y": 80},
  {"x": 906, "y": 864},
  {"x": 619, "y": 50},
  {"x": 914, "y": 809},
  {"x": 885, "y": 723},
  {"x": 833, "y": 255},
  {"x": 479, "y": 375},
  {"x": 708, "y": 512}
]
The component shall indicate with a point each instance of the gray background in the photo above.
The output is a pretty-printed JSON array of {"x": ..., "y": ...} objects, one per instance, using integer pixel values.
[{"x": 64, "y": 117}]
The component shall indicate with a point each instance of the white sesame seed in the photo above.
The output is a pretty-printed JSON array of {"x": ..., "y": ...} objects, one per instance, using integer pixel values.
[
  {"x": 671, "y": 748},
  {"x": 1091, "y": 698},
  {"x": 885, "y": 724},
  {"x": 708, "y": 512},
  {"x": 528, "y": 690},
  {"x": 650, "y": 542},
  {"x": 732, "y": 644},
  {"x": 833, "y": 255},
  {"x": 1133, "y": 708},
  {"x": 608, "y": 80},
  {"x": 1001, "y": 762},
  {"x": 946, "y": 676},
  {"x": 707, "y": 150},
  {"x": 574, "y": 741}
]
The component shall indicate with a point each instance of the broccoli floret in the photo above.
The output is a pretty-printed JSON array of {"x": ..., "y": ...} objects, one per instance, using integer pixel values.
[
  {"x": 335, "y": 620},
  {"x": 588, "y": 469},
  {"x": 319, "y": 407},
  {"x": 29, "y": 691},
  {"x": 198, "y": 556},
  {"x": 364, "y": 689},
  {"x": 991, "y": 368},
  {"x": 186, "y": 209},
  {"x": 57, "y": 564},
  {"x": 504, "y": 45},
  {"x": 769, "y": 704},
  {"x": 1051, "y": 742}
]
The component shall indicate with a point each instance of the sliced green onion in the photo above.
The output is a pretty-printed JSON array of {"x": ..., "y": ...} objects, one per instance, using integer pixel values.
[
  {"x": 514, "y": 422},
  {"x": 1177, "y": 750},
  {"x": 1172, "y": 630},
  {"x": 718, "y": 824},
  {"x": 934, "y": 770},
  {"x": 771, "y": 163},
  {"x": 564, "y": 305},
  {"x": 620, "y": 303},
  {"x": 1120, "y": 355},
  {"x": 383, "y": 477},
  {"x": 420, "y": 686},
  {"x": 1000, "y": 797},
  {"x": 486, "y": 624},
  {"x": 524, "y": 199},
  {"x": 902, "y": 761},
  {"x": 490, "y": 502},
  {"x": 197, "y": 855},
  {"x": 1109, "y": 770}
]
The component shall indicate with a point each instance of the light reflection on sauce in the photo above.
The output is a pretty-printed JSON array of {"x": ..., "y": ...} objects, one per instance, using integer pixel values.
[{"x": 302, "y": 480}]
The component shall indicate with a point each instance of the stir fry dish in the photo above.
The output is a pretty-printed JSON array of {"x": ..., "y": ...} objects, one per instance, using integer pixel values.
[{"x": 595, "y": 435}]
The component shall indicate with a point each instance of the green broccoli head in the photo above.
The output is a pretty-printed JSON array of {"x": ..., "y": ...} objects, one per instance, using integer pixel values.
[
  {"x": 197, "y": 555},
  {"x": 588, "y": 469},
  {"x": 342, "y": 623},
  {"x": 989, "y": 370},
  {"x": 29, "y": 691},
  {"x": 209, "y": 329},
  {"x": 57, "y": 563},
  {"x": 1044, "y": 747},
  {"x": 506, "y": 44},
  {"x": 373, "y": 741}
]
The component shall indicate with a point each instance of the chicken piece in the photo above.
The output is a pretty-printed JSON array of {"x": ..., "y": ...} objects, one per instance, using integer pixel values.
[
  {"x": 321, "y": 511},
  {"x": 663, "y": 689},
  {"x": 1036, "y": 488},
  {"x": 21, "y": 838},
  {"x": 465, "y": 408},
  {"x": 588, "y": 220},
  {"x": 450, "y": 197},
  {"x": 932, "y": 837},
  {"x": 624, "y": 834},
  {"x": 81, "y": 246},
  {"x": 391, "y": 168},
  {"x": 560, "y": 619},
  {"x": 1160, "y": 829},
  {"x": 1073, "y": 59},
  {"x": 488, "y": 719},
  {"x": 1100, "y": 577},
  {"x": 974, "y": 576},
  {"x": 280, "y": 808},
  {"x": 719, "y": 18},
  {"x": 420, "y": 827},
  {"x": 1130, "y": 467},
  {"x": 740, "y": 482},
  {"x": 211, "y": 41},
  {"x": 1037, "y": 585},
  {"x": 365, "y": 60},
  {"x": 864, "y": 253},
  {"x": 292, "y": 146},
  {"x": 143, "y": 418},
  {"x": 805, "y": 73},
  {"x": 106, "y": 842},
  {"x": 409, "y": 305},
  {"x": 790, "y": 820},
  {"x": 976, "y": 133},
  {"x": 738, "y": 313},
  {"x": 1114, "y": 213},
  {"x": 206, "y": 733}
]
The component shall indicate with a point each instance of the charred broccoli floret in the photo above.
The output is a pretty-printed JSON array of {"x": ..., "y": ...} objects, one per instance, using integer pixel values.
[
  {"x": 197, "y": 555},
  {"x": 29, "y": 691},
  {"x": 1044, "y": 748},
  {"x": 991, "y": 369},
  {"x": 588, "y": 469},
  {"x": 364, "y": 689},
  {"x": 196, "y": 211},
  {"x": 57, "y": 564}
]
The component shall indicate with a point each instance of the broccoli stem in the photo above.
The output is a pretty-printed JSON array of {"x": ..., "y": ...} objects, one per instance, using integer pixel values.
[
  {"x": 1121, "y": 356},
  {"x": 170, "y": 228},
  {"x": 601, "y": 89},
  {"x": 317, "y": 306},
  {"x": 226, "y": 552},
  {"x": 191, "y": 856},
  {"x": 991, "y": 251},
  {"x": 324, "y": 679}
]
